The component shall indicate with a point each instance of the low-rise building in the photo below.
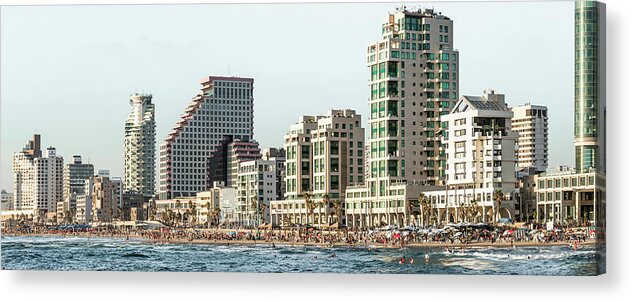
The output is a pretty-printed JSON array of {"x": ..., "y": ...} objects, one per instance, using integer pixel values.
[
  {"x": 6, "y": 201},
  {"x": 569, "y": 198}
]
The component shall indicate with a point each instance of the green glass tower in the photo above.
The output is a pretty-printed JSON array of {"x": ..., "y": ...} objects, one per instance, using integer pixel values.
[{"x": 589, "y": 85}]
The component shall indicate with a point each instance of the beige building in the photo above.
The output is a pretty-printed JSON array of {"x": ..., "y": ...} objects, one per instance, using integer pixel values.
[
  {"x": 571, "y": 198},
  {"x": 37, "y": 179},
  {"x": 530, "y": 122},
  {"x": 325, "y": 155},
  {"x": 256, "y": 188}
]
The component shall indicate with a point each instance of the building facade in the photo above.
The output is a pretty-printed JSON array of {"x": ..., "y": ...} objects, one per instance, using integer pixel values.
[
  {"x": 140, "y": 146},
  {"x": 481, "y": 160},
  {"x": 225, "y": 106},
  {"x": 413, "y": 81},
  {"x": 324, "y": 156},
  {"x": 74, "y": 176},
  {"x": 531, "y": 124},
  {"x": 590, "y": 88},
  {"x": 6, "y": 201},
  {"x": 239, "y": 151},
  {"x": 256, "y": 188},
  {"x": 38, "y": 180},
  {"x": 577, "y": 199},
  {"x": 104, "y": 204},
  {"x": 279, "y": 157}
]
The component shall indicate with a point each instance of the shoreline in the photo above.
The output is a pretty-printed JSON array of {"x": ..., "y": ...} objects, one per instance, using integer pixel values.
[{"x": 318, "y": 245}]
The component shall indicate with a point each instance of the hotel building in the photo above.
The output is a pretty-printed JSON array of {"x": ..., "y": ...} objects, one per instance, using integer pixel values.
[
  {"x": 6, "y": 201},
  {"x": 140, "y": 146},
  {"x": 324, "y": 156},
  {"x": 37, "y": 180},
  {"x": 223, "y": 107},
  {"x": 531, "y": 124}
]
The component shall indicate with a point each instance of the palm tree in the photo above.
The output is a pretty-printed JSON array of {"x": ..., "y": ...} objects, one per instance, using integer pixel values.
[
  {"x": 254, "y": 204},
  {"x": 308, "y": 201},
  {"x": 410, "y": 205},
  {"x": 337, "y": 207},
  {"x": 498, "y": 197},
  {"x": 326, "y": 200},
  {"x": 474, "y": 209},
  {"x": 310, "y": 206},
  {"x": 216, "y": 214},
  {"x": 423, "y": 201}
]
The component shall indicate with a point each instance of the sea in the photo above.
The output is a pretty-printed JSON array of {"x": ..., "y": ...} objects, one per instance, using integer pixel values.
[{"x": 115, "y": 254}]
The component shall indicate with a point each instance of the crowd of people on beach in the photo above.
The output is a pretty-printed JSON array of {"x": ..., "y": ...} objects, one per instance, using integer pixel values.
[{"x": 352, "y": 237}]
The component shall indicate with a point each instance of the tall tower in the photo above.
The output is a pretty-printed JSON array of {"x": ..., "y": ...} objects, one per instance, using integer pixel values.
[
  {"x": 225, "y": 106},
  {"x": 531, "y": 123},
  {"x": 413, "y": 81},
  {"x": 140, "y": 146},
  {"x": 589, "y": 85}
]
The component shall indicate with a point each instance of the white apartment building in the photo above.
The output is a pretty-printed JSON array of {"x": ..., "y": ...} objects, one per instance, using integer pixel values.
[
  {"x": 140, "y": 146},
  {"x": 481, "y": 157},
  {"x": 256, "y": 188},
  {"x": 324, "y": 156},
  {"x": 225, "y": 106},
  {"x": 38, "y": 180},
  {"x": 6, "y": 201},
  {"x": 531, "y": 123}
]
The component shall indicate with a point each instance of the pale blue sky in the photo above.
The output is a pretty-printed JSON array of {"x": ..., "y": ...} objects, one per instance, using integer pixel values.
[{"x": 67, "y": 71}]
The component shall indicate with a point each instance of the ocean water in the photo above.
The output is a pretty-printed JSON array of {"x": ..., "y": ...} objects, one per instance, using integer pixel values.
[{"x": 106, "y": 254}]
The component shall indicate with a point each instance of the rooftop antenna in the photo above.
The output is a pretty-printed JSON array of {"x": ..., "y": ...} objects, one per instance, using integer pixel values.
[{"x": 229, "y": 70}]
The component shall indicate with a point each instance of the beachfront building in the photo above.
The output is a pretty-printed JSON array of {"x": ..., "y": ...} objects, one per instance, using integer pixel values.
[
  {"x": 223, "y": 107},
  {"x": 324, "y": 155},
  {"x": 590, "y": 88},
  {"x": 277, "y": 155},
  {"x": 140, "y": 145},
  {"x": 6, "y": 201},
  {"x": 531, "y": 124},
  {"x": 413, "y": 82},
  {"x": 38, "y": 179},
  {"x": 74, "y": 176},
  {"x": 256, "y": 188},
  {"x": 569, "y": 198},
  {"x": 104, "y": 204},
  {"x": 480, "y": 147},
  {"x": 83, "y": 211},
  {"x": 239, "y": 151}
]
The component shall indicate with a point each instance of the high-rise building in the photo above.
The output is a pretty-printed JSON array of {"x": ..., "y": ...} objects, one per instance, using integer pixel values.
[
  {"x": 37, "y": 181},
  {"x": 239, "y": 151},
  {"x": 413, "y": 81},
  {"x": 256, "y": 188},
  {"x": 324, "y": 156},
  {"x": 277, "y": 155},
  {"x": 74, "y": 176},
  {"x": 531, "y": 123},
  {"x": 140, "y": 146},
  {"x": 589, "y": 85},
  {"x": 481, "y": 157},
  {"x": 225, "y": 106},
  {"x": 103, "y": 201}
]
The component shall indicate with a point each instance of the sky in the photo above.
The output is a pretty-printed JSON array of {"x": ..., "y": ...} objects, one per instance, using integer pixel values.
[{"x": 66, "y": 72}]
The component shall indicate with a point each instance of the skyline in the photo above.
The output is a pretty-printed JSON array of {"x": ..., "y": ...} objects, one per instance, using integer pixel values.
[{"x": 349, "y": 72}]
